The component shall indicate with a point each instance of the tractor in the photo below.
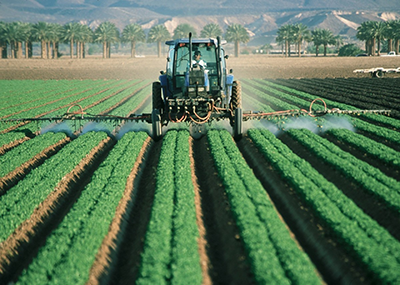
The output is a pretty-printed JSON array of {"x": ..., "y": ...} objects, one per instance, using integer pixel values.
[{"x": 196, "y": 93}]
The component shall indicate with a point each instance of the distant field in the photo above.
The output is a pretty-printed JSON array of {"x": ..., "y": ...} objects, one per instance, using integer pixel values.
[
  {"x": 245, "y": 66},
  {"x": 309, "y": 200}
]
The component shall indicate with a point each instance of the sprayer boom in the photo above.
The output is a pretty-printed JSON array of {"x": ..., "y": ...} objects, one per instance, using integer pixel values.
[
  {"x": 301, "y": 112},
  {"x": 220, "y": 114}
]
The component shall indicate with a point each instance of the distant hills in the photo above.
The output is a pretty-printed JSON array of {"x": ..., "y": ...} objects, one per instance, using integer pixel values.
[{"x": 261, "y": 17}]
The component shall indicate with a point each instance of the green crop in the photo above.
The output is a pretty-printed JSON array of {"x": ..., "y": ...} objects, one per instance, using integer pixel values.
[{"x": 170, "y": 252}]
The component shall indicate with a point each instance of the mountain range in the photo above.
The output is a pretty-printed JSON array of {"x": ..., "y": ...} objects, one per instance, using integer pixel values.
[{"x": 262, "y": 18}]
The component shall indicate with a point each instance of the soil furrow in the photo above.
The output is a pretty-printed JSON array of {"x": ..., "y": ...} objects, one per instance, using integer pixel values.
[
  {"x": 20, "y": 172},
  {"x": 333, "y": 263},
  {"x": 202, "y": 242},
  {"x": 361, "y": 155},
  {"x": 132, "y": 241},
  {"x": 376, "y": 209},
  {"x": 225, "y": 249},
  {"x": 22, "y": 246},
  {"x": 106, "y": 259}
]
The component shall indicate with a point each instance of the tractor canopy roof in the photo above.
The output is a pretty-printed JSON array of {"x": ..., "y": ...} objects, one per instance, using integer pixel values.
[{"x": 195, "y": 41}]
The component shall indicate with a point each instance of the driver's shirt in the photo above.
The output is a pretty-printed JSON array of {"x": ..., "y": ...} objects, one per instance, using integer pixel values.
[{"x": 201, "y": 63}]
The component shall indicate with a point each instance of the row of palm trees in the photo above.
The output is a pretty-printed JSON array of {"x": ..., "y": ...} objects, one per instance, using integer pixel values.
[
  {"x": 19, "y": 36},
  {"x": 298, "y": 33},
  {"x": 374, "y": 32}
]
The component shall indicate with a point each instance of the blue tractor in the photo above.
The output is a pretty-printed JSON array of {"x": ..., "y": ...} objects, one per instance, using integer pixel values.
[{"x": 196, "y": 90}]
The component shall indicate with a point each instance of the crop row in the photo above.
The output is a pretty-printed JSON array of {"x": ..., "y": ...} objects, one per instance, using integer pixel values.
[
  {"x": 170, "y": 251},
  {"x": 377, "y": 150},
  {"x": 272, "y": 87},
  {"x": 371, "y": 179},
  {"x": 18, "y": 203},
  {"x": 359, "y": 234},
  {"x": 273, "y": 255},
  {"x": 71, "y": 248},
  {"x": 37, "y": 91},
  {"x": 88, "y": 98},
  {"x": 35, "y": 127},
  {"x": 383, "y": 90},
  {"x": 64, "y": 97},
  {"x": 375, "y": 93},
  {"x": 16, "y": 157},
  {"x": 301, "y": 103}
]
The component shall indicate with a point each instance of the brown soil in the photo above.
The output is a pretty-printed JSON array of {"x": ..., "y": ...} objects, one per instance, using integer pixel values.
[
  {"x": 20, "y": 247},
  {"x": 245, "y": 66},
  {"x": 202, "y": 242},
  {"x": 331, "y": 260},
  {"x": 225, "y": 249},
  {"x": 20, "y": 172},
  {"x": 109, "y": 250}
]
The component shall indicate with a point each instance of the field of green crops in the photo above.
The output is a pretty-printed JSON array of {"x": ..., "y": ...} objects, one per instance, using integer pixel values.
[{"x": 297, "y": 200}]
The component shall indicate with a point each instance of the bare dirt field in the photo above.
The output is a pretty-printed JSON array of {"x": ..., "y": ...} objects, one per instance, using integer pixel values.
[{"x": 245, "y": 66}]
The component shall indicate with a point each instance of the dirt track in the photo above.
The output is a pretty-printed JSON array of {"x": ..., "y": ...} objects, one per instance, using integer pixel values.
[{"x": 250, "y": 66}]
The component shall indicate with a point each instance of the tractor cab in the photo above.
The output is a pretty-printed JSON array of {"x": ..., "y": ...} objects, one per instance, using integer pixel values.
[
  {"x": 195, "y": 87},
  {"x": 186, "y": 78}
]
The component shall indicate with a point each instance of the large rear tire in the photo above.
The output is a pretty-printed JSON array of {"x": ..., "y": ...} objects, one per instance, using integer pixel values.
[
  {"x": 236, "y": 97},
  {"x": 238, "y": 124},
  {"x": 236, "y": 104},
  {"x": 158, "y": 102},
  {"x": 156, "y": 124}
]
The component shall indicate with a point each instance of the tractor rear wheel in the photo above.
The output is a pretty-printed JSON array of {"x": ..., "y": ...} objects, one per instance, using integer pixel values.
[
  {"x": 236, "y": 96},
  {"x": 157, "y": 99},
  {"x": 235, "y": 102},
  {"x": 156, "y": 124},
  {"x": 237, "y": 126}
]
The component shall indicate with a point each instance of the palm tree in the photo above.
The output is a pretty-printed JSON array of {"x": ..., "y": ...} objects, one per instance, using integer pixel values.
[
  {"x": 12, "y": 34},
  {"x": 316, "y": 36},
  {"x": 238, "y": 34},
  {"x": 183, "y": 30},
  {"x": 27, "y": 30},
  {"x": 71, "y": 30},
  {"x": 327, "y": 38},
  {"x": 40, "y": 33},
  {"x": 55, "y": 34},
  {"x": 301, "y": 33},
  {"x": 3, "y": 43},
  {"x": 133, "y": 33},
  {"x": 378, "y": 31},
  {"x": 286, "y": 36},
  {"x": 211, "y": 31},
  {"x": 157, "y": 34},
  {"x": 389, "y": 33},
  {"x": 106, "y": 33},
  {"x": 364, "y": 33},
  {"x": 86, "y": 36},
  {"x": 396, "y": 35}
]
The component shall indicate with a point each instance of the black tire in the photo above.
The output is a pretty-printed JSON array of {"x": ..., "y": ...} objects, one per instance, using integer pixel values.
[
  {"x": 156, "y": 124},
  {"x": 238, "y": 124},
  {"x": 378, "y": 74},
  {"x": 236, "y": 100},
  {"x": 158, "y": 102},
  {"x": 236, "y": 96}
]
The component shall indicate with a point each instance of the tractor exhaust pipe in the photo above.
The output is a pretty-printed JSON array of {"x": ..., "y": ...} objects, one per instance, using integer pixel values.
[{"x": 190, "y": 49}]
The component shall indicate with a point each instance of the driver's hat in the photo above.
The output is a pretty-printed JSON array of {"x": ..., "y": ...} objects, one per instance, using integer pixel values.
[{"x": 197, "y": 52}]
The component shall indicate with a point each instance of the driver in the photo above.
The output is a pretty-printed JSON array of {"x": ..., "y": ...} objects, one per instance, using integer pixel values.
[{"x": 197, "y": 61}]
